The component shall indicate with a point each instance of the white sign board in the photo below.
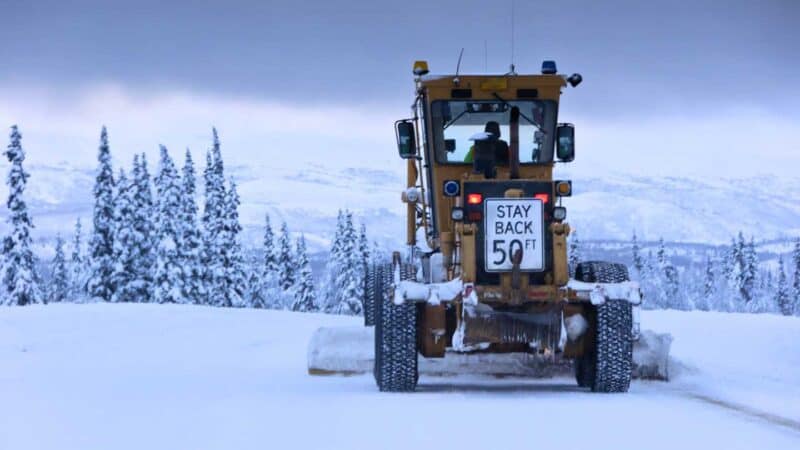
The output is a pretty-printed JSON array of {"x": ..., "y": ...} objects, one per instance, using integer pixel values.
[{"x": 513, "y": 224}]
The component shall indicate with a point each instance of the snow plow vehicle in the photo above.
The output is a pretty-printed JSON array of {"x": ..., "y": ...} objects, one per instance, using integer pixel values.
[{"x": 487, "y": 268}]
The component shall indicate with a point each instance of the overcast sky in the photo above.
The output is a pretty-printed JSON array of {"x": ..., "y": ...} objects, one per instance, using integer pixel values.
[{"x": 707, "y": 80}]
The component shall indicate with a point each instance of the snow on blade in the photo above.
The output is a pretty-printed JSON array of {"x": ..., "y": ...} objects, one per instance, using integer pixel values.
[
  {"x": 599, "y": 292},
  {"x": 433, "y": 293}
]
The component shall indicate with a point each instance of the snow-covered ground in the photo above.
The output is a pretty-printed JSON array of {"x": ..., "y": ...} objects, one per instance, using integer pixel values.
[{"x": 103, "y": 376}]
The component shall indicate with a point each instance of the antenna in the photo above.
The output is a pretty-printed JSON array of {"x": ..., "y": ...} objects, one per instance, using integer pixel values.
[
  {"x": 511, "y": 70},
  {"x": 456, "y": 80},
  {"x": 485, "y": 56}
]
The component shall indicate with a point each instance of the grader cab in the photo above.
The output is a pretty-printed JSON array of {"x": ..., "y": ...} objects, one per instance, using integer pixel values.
[{"x": 486, "y": 268}]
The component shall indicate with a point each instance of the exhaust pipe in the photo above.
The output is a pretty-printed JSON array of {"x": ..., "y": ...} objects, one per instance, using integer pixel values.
[{"x": 513, "y": 151}]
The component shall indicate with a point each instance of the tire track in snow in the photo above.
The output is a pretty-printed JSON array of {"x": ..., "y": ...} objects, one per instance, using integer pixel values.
[{"x": 746, "y": 410}]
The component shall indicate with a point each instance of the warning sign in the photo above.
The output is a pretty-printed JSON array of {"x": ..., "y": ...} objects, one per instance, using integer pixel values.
[{"x": 513, "y": 224}]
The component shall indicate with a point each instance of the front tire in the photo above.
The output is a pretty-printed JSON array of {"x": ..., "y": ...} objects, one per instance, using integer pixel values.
[
  {"x": 395, "y": 336},
  {"x": 606, "y": 366}
]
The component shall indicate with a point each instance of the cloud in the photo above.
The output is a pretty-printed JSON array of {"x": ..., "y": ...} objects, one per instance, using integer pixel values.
[
  {"x": 64, "y": 126},
  {"x": 61, "y": 126},
  {"x": 725, "y": 143}
]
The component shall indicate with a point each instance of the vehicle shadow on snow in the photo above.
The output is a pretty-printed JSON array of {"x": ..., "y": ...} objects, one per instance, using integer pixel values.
[{"x": 495, "y": 386}]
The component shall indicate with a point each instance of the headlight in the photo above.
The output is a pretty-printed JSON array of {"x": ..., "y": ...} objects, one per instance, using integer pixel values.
[
  {"x": 457, "y": 214},
  {"x": 559, "y": 213}
]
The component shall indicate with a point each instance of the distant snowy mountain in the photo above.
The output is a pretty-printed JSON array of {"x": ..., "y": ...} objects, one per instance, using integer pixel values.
[{"x": 686, "y": 210}]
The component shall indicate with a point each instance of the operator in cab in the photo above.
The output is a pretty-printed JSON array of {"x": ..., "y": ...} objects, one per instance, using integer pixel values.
[{"x": 501, "y": 146}]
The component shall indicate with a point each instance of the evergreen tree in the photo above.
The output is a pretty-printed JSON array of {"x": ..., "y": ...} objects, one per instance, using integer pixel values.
[
  {"x": 255, "y": 290},
  {"x": 286, "y": 262},
  {"x": 575, "y": 252},
  {"x": 19, "y": 285},
  {"x": 214, "y": 251},
  {"x": 750, "y": 272},
  {"x": 77, "y": 279},
  {"x": 363, "y": 250},
  {"x": 782, "y": 296},
  {"x": 796, "y": 283},
  {"x": 363, "y": 246},
  {"x": 59, "y": 285},
  {"x": 304, "y": 297},
  {"x": 740, "y": 268},
  {"x": 349, "y": 287},
  {"x": 270, "y": 268},
  {"x": 102, "y": 241},
  {"x": 709, "y": 283},
  {"x": 333, "y": 266},
  {"x": 125, "y": 258},
  {"x": 191, "y": 245},
  {"x": 235, "y": 276},
  {"x": 145, "y": 237},
  {"x": 268, "y": 285},
  {"x": 168, "y": 273},
  {"x": 637, "y": 257}
]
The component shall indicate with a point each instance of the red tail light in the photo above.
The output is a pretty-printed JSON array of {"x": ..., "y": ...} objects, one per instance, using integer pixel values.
[
  {"x": 474, "y": 199},
  {"x": 543, "y": 197}
]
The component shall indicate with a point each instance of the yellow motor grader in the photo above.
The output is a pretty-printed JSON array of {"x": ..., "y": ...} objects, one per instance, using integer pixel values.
[{"x": 487, "y": 267}]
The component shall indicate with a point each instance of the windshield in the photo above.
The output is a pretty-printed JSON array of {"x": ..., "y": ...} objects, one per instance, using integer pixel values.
[{"x": 457, "y": 123}]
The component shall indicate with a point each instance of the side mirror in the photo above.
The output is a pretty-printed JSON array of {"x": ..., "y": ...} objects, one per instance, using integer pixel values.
[
  {"x": 450, "y": 145},
  {"x": 565, "y": 142},
  {"x": 406, "y": 138}
]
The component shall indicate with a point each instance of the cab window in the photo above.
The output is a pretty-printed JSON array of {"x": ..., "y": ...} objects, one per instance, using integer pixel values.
[{"x": 455, "y": 124}]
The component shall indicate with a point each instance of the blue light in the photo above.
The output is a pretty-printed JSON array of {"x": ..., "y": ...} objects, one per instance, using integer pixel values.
[
  {"x": 451, "y": 188},
  {"x": 549, "y": 67}
]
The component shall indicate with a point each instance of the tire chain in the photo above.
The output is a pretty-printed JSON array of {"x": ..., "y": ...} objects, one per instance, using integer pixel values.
[
  {"x": 395, "y": 335},
  {"x": 608, "y": 367}
]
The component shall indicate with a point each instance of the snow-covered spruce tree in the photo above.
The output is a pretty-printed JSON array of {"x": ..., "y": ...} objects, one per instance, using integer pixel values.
[
  {"x": 739, "y": 273},
  {"x": 286, "y": 261},
  {"x": 101, "y": 244},
  {"x": 190, "y": 247},
  {"x": 168, "y": 274},
  {"x": 749, "y": 277},
  {"x": 363, "y": 251},
  {"x": 213, "y": 225},
  {"x": 144, "y": 238},
  {"x": 661, "y": 253},
  {"x": 255, "y": 296},
  {"x": 235, "y": 275},
  {"x": 782, "y": 296},
  {"x": 77, "y": 272},
  {"x": 332, "y": 268},
  {"x": 304, "y": 296},
  {"x": 574, "y": 252},
  {"x": 796, "y": 282},
  {"x": 377, "y": 254},
  {"x": 638, "y": 264},
  {"x": 59, "y": 284},
  {"x": 268, "y": 286},
  {"x": 363, "y": 246},
  {"x": 709, "y": 286},
  {"x": 348, "y": 281},
  {"x": 19, "y": 271},
  {"x": 125, "y": 258}
]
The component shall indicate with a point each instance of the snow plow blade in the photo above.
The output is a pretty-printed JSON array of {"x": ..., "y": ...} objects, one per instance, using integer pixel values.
[{"x": 349, "y": 351}]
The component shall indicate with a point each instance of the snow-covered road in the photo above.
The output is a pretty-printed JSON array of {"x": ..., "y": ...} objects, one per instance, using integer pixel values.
[{"x": 179, "y": 377}]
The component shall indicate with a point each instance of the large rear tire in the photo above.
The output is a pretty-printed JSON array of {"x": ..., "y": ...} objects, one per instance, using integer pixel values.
[
  {"x": 607, "y": 366},
  {"x": 395, "y": 336}
]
